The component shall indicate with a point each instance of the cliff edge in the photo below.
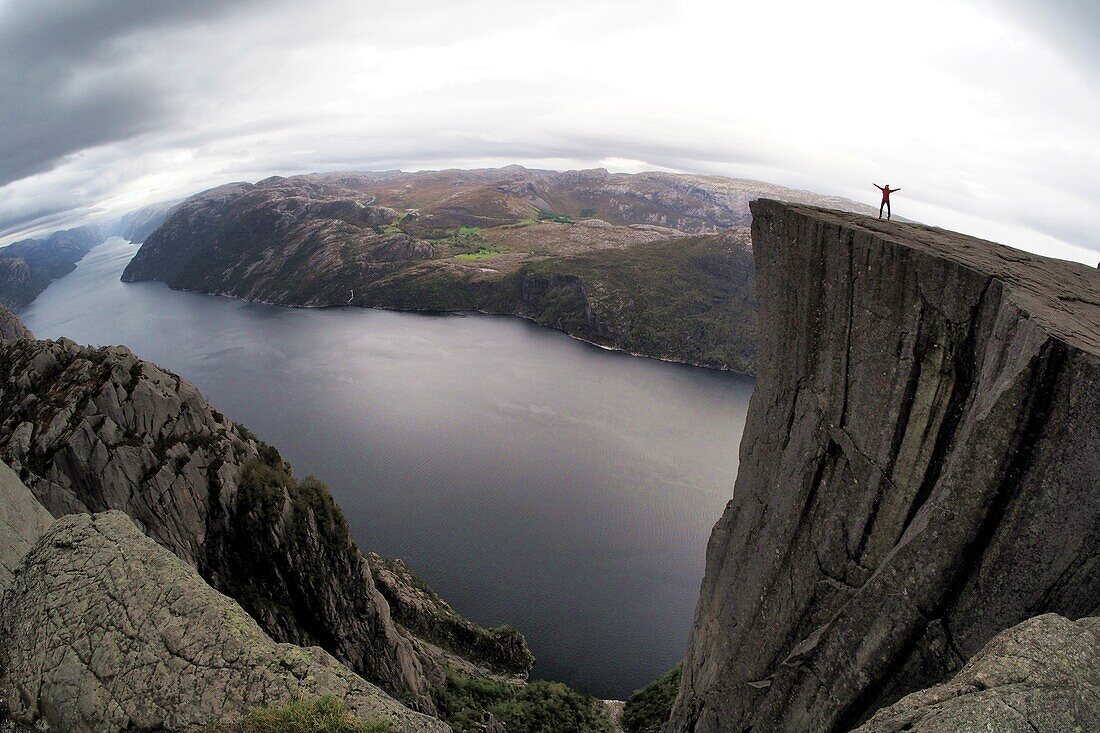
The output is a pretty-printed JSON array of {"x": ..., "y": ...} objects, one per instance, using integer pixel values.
[{"x": 919, "y": 471}]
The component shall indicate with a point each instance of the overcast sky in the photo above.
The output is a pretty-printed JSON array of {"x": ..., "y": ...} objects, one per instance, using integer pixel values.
[{"x": 984, "y": 112}]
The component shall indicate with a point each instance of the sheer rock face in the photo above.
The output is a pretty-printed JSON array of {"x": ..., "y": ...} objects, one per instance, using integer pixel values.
[
  {"x": 1041, "y": 676},
  {"x": 11, "y": 327},
  {"x": 90, "y": 430},
  {"x": 22, "y": 520},
  {"x": 138, "y": 642},
  {"x": 920, "y": 470}
]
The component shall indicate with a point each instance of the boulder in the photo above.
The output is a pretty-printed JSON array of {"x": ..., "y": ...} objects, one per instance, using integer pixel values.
[{"x": 1041, "y": 676}]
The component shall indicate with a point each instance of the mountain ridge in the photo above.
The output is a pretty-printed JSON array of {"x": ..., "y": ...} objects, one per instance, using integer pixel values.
[
  {"x": 591, "y": 253},
  {"x": 28, "y": 266}
]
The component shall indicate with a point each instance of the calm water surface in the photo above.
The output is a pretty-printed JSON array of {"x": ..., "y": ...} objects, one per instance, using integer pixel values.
[{"x": 530, "y": 478}]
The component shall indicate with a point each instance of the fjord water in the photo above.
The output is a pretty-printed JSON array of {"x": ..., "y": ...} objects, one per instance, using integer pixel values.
[{"x": 530, "y": 478}]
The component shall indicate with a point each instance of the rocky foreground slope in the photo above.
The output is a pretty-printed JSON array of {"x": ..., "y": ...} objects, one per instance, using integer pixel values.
[
  {"x": 135, "y": 640},
  {"x": 1041, "y": 676},
  {"x": 655, "y": 264},
  {"x": 920, "y": 470},
  {"x": 22, "y": 520},
  {"x": 90, "y": 430}
]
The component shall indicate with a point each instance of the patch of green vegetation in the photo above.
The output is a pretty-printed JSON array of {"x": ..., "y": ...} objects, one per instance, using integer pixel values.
[
  {"x": 264, "y": 490},
  {"x": 348, "y": 250},
  {"x": 647, "y": 710},
  {"x": 285, "y": 534},
  {"x": 465, "y": 703},
  {"x": 551, "y": 216},
  {"x": 443, "y": 289},
  {"x": 319, "y": 715},
  {"x": 468, "y": 231},
  {"x": 483, "y": 253}
]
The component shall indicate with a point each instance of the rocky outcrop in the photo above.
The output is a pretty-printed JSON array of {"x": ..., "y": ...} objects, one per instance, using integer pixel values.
[
  {"x": 11, "y": 327},
  {"x": 293, "y": 241},
  {"x": 415, "y": 606},
  {"x": 27, "y": 267},
  {"x": 22, "y": 521},
  {"x": 136, "y": 641},
  {"x": 1041, "y": 676},
  {"x": 919, "y": 471},
  {"x": 90, "y": 430}
]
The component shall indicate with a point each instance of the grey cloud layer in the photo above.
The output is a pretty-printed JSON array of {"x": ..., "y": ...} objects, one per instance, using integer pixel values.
[
  {"x": 69, "y": 82},
  {"x": 182, "y": 95}
]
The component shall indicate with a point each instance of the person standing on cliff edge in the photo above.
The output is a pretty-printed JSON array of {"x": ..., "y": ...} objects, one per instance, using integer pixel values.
[{"x": 886, "y": 191}]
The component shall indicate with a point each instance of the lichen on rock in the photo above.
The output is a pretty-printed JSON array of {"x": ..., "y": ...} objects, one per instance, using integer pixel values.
[{"x": 104, "y": 630}]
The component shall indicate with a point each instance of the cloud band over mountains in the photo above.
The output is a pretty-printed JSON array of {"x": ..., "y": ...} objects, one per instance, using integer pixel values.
[{"x": 984, "y": 114}]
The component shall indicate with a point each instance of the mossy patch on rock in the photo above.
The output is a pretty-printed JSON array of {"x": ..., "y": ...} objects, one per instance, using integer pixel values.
[{"x": 319, "y": 715}]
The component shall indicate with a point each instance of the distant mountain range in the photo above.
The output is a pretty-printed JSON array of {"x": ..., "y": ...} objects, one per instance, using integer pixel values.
[
  {"x": 137, "y": 225},
  {"x": 653, "y": 263},
  {"x": 28, "y": 266}
]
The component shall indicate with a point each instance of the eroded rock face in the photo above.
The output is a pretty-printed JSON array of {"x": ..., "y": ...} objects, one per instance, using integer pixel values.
[
  {"x": 294, "y": 241},
  {"x": 22, "y": 521},
  {"x": 90, "y": 430},
  {"x": 417, "y": 607},
  {"x": 11, "y": 327},
  {"x": 1041, "y": 676},
  {"x": 919, "y": 471},
  {"x": 138, "y": 642}
]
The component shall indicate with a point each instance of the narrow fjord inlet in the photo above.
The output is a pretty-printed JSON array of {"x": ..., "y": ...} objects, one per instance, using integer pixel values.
[
  {"x": 578, "y": 367},
  {"x": 530, "y": 478}
]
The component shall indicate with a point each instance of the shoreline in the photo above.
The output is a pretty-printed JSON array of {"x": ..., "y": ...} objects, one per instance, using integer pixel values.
[{"x": 426, "y": 311}]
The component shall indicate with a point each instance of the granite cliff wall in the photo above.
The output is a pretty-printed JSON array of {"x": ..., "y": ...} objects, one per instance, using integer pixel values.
[{"x": 920, "y": 471}]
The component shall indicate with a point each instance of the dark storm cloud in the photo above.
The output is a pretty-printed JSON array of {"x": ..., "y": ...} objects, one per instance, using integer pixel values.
[{"x": 68, "y": 84}]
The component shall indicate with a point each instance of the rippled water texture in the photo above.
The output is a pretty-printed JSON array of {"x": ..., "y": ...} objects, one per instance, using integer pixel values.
[{"x": 530, "y": 478}]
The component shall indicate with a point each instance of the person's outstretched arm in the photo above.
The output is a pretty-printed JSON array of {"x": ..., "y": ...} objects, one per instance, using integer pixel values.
[
  {"x": 894, "y": 190},
  {"x": 880, "y": 188}
]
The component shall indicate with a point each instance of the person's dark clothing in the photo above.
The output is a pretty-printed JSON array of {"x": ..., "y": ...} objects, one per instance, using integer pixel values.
[{"x": 886, "y": 191}]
